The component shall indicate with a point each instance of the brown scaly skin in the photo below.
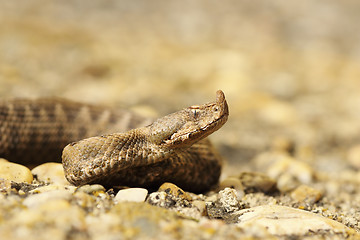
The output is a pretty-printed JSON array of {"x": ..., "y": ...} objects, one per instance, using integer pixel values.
[
  {"x": 169, "y": 150},
  {"x": 36, "y": 131}
]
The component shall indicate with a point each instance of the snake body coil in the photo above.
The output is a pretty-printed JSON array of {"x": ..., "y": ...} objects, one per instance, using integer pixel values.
[{"x": 170, "y": 149}]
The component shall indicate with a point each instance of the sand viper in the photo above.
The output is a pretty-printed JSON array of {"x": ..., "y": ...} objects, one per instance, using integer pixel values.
[{"x": 172, "y": 148}]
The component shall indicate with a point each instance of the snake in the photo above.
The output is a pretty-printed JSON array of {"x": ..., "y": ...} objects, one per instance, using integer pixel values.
[{"x": 115, "y": 147}]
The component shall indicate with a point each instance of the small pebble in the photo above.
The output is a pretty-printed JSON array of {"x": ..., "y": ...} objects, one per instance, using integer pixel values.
[
  {"x": 15, "y": 172},
  {"x": 306, "y": 194},
  {"x": 50, "y": 173},
  {"x": 174, "y": 190},
  {"x": 226, "y": 203},
  {"x": 131, "y": 195},
  {"x": 231, "y": 182},
  {"x": 287, "y": 182},
  {"x": 257, "y": 182},
  {"x": 228, "y": 199},
  {"x": 201, "y": 206}
]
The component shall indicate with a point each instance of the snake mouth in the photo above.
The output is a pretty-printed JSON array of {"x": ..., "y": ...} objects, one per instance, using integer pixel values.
[{"x": 190, "y": 137}]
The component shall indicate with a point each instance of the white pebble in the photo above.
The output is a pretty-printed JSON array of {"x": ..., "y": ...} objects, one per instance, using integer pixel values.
[
  {"x": 131, "y": 195},
  {"x": 14, "y": 172},
  {"x": 50, "y": 173},
  {"x": 281, "y": 220}
]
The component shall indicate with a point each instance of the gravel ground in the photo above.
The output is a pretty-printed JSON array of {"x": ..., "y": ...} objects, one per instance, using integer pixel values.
[{"x": 290, "y": 72}]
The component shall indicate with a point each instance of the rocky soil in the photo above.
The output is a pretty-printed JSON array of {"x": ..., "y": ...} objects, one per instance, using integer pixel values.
[{"x": 291, "y": 147}]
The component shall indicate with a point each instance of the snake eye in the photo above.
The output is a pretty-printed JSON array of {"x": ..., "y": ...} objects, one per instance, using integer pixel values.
[
  {"x": 195, "y": 113},
  {"x": 195, "y": 110},
  {"x": 216, "y": 109}
]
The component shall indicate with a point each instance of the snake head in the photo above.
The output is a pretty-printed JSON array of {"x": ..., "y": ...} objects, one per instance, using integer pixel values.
[{"x": 185, "y": 127}]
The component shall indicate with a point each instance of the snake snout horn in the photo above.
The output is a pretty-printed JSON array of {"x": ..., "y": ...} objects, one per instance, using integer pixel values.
[{"x": 220, "y": 100}]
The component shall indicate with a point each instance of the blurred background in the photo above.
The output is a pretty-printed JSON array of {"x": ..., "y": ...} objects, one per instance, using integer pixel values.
[{"x": 290, "y": 69}]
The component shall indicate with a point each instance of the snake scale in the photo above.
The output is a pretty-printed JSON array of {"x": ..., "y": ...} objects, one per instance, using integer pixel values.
[{"x": 173, "y": 148}]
